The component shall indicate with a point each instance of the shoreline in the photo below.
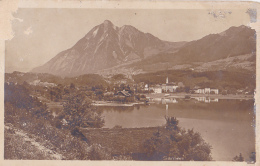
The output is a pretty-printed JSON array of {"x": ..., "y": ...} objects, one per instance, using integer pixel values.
[
  {"x": 114, "y": 104},
  {"x": 182, "y": 95},
  {"x": 161, "y": 96}
]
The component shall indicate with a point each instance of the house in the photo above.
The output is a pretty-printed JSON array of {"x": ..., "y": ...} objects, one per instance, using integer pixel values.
[
  {"x": 215, "y": 91},
  {"x": 109, "y": 94},
  {"x": 207, "y": 90},
  {"x": 164, "y": 87},
  {"x": 146, "y": 87},
  {"x": 171, "y": 87},
  {"x": 124, "y": 93},
  {"x": 199, "y": 91},
  {"x": 157, "y": 89},
  {"x": 240, "y": 91}
]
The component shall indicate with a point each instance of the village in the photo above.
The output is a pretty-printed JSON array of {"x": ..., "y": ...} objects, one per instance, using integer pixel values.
[
  {"x": 175, "y": 87},
  {"x": 122, "y": 91},
  {"x": 169, "y": 92}
]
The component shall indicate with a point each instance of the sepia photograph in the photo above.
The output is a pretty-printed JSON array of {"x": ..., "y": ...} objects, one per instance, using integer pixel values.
[{"x": 131, "y": 84}]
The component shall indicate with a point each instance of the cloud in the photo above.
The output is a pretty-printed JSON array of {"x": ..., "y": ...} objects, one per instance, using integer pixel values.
[{"x": 28, "y": 31}]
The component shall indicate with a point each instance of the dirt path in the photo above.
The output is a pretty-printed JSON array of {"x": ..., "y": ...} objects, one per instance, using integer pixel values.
[{"x": 54, "y": 155}]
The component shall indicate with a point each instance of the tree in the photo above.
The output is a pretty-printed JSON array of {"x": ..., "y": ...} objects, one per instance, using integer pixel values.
[
  {"x": 252, "y": 157},
  {"x": 99, "y": 94},
  {"x": 72, "y": 86},
  {"x": 156, "y": 147},
  {"x": 52, "y": 94},
  {"x": 187, "y": 89},
  {"x": 238, "y": 158},
  {"x": 122, "y": 87},
  {"x": 97, "y": 152},
  {"x": 78, "y": 112},
  {"x": 172, "y": 123},
  {"x": 173, "y": 143}
]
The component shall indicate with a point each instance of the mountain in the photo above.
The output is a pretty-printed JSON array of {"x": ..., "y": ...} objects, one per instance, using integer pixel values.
[
  {"x": 106, "y": 46},
  {"x": 235, "y": 47},
  {"x": 234, "y": 41},
  {"x": 108, "y": 49}
]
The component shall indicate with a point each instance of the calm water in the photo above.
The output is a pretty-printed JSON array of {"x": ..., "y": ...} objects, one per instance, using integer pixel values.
[{"x": 227, "y": 125}]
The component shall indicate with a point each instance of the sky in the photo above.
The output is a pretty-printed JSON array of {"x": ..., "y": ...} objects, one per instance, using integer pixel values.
[{"x": 40, "y": 34}]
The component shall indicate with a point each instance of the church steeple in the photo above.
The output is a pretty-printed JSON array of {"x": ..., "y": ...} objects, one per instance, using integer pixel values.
[{"x": 167, "y": 80}]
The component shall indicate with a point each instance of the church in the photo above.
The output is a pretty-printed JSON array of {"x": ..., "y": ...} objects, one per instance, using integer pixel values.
[{"x": 169, "y": 87}]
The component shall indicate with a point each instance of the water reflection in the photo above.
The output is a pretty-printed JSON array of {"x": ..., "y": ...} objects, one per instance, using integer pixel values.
[
  {"x": 227, "y": 124},
  {"x": 176, "y": 100},
  {"x": 206, "y": 99}
]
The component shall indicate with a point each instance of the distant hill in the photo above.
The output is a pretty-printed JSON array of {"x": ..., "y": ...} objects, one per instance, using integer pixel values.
[
  {"x": 214, "y": 79},
  {"x": 106, "y": 46},
  {"x": 83, "y": 80},
  {"x": 234, "y": 42}
]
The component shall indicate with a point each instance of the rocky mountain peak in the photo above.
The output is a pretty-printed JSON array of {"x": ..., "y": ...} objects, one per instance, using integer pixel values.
[
  {"x": 107, "y": 22},
  {"x": 108, "y": 25},
  {"x": 104, "y": 46}
]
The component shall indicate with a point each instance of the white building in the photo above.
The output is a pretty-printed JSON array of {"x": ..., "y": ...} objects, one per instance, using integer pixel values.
[
  {"x": 200, "y": 91},
  {"x": 207, "y": 90},
  {"x": 146, "y": 87},
  {"x": 156, "y": 89},
  {"x": 215, "y": 91}
]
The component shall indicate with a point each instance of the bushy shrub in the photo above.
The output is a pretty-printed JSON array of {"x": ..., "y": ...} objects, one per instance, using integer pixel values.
[{"x": 173, "y": 143}]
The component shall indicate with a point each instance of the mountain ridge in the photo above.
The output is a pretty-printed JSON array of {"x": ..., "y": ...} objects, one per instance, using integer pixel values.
[{"x": 106, "y": 46}]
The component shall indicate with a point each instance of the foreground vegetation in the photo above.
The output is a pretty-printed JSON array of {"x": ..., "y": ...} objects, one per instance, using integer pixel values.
[
  {"x": 33, "y": 125},
  {"x": 174, "y": 143},
  {"x": 30, "y": 116},
  {"x": 168, "y": 142}
]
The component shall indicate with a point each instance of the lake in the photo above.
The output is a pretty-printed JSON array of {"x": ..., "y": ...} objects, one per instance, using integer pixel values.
[{"x": 227, "y": 125}]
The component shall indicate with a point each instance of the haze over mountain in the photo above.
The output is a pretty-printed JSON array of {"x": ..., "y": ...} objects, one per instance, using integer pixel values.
[{"x": 110, "y": 49}]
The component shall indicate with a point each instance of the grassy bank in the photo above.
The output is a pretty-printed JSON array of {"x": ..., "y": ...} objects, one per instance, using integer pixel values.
[
  {"x": 167, "y": 142},
  {"x": 120, "y": 140}
]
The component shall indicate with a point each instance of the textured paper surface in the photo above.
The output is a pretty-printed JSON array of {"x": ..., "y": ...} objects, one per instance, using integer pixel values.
[{"x": 8, "y": 7}]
